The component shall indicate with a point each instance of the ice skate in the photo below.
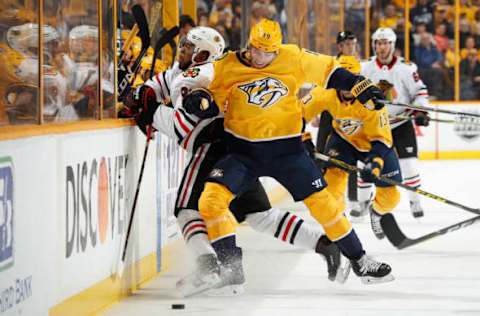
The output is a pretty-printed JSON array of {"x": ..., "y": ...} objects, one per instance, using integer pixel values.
[
  {"x": 371, "y": 271},
  {"x": 232, "y": 278},
  {"x": 359, "y": 210},
  {"x": 375, "y": 223},
  {"x": 331, "y": 253},
  {"x": 416, "y": 208},
  {"x": 207, "y": 276}
]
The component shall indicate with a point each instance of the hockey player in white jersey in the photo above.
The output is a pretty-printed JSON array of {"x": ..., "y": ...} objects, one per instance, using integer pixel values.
[
  {"x": 202, "y": 138},
  {"x": 402, "y": 84},
  {"x": 24, "y": 39}
]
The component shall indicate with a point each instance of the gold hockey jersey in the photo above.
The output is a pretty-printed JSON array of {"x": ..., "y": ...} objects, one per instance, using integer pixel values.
[
  {"x": 352, "y": 121},
  {"x": 262, "y": 104}
]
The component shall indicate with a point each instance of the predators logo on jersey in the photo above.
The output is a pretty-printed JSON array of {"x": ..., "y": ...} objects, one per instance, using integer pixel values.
[
  {"x": 349, "y": 126},
  {"x": 264, "y": 92}
]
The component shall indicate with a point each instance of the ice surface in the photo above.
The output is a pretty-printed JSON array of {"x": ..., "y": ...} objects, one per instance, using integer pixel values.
[{"x": 438, "y": 277}]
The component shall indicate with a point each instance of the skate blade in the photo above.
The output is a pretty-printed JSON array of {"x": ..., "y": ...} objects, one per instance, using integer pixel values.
[
  {"x": 190, "y": 287},
  {"x": 373, "y": 280},
  {"x": 227, "y": 291},
  {"x": 343, "y": 273}
]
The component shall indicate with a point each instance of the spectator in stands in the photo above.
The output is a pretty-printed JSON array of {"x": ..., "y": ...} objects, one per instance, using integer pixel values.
[
  {"x": 465, "y": 29},
  {"x": 186, "y": 23},
  {"x": 470, "y": 76},
  {"x": 423, "y": 13},
  {"x": 429, "y": 62},
  {"x": 203, "y": 19},
  {"x": 469, "y": 45},
  {"x": 390, "y": 17},
  {"x": 441, "y": 38},
  {"x": 420, "y": 29},
  {"x": 221, "y": 13},
  {"x": 468, "y": 9},
  {"x": 445, "y": 15}
]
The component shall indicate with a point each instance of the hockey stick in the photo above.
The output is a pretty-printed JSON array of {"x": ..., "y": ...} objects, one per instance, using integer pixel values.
[
  {"x": 426, "y": 108},
  {"x": 125, "y": 73},
  {"x": 351, "y": 168},
  {"x": 399, "y": 240},
  {"x": 458, "y": 122},
  {"x": 128, "y": 42},
  {"x": 121, "y": 264},
  {"x": 165, "y": 38}
]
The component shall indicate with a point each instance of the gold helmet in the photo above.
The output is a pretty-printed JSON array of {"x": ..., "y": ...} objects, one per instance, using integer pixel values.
[
  {"x": 350, "y": 63},
  {"x": 266, "y": 35}
]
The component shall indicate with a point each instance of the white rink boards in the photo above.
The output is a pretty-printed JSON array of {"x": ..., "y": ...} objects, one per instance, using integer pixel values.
[{"x": 438, "y": 277}]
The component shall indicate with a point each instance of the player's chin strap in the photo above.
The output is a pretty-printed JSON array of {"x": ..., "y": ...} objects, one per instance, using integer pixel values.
[
  {"x": 382, "y": 178},
  {"x": 427, "y": 108}
]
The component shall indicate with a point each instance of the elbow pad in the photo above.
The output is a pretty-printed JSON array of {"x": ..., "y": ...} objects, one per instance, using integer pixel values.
[{"x": 200, "y": 102}]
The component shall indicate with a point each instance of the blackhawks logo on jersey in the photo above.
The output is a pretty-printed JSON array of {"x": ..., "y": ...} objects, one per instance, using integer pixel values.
[
  {"x": 349, "y": 126},
  {"x": 264, "y": 92},
  {"x": 192, "y": 72}
]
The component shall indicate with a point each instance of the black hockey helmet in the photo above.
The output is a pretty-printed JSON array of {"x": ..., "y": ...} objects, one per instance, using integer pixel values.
[{"x": 345, "y": 35}]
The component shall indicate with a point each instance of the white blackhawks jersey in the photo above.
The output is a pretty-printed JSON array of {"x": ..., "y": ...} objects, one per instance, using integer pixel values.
[
  {"x": 407, "y": 88},
  {"x": 170, "y": 86}
]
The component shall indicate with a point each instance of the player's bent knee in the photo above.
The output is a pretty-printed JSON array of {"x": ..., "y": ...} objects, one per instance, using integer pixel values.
[
  {"x": 386, "y": 199},
  {"x": 214, "y": 200},
  {"x": 337, "y": 182},
  {"x": 213, "y": 206},
  {"x": 328, "y": 212}
]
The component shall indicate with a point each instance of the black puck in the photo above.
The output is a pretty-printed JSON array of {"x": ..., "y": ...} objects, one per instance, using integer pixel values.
[{"x": 178, "y": 306}]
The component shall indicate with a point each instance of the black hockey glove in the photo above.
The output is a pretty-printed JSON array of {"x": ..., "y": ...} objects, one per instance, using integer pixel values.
[
  {"x": 421, "y": 118},
  {"x": 200, "y": 102},
  {"x": 372, "y": 169},
  {"x": 368, "y": 94},
  {"x": 145, "y": 104}
]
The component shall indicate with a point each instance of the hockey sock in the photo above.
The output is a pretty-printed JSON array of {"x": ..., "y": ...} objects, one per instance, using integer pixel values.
[
  {"x": 411, "y": 177},
  {"x": 351, "y": 246},
  {"x": 286, "y": 227},
  {"x": 194, "y": 232}
]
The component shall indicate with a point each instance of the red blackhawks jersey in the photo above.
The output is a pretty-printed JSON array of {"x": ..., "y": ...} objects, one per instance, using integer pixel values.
[
  {"x": 170, "y": 86},
  {"x": 403, "y": 85}
]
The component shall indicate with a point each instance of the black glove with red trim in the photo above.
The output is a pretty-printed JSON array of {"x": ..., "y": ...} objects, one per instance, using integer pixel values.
[{"x": 421, "y": 118}]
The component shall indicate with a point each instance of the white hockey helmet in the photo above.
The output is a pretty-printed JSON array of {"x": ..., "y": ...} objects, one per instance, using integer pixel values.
[
  {"x": 25, "y": 37},
  {"x": 83, "y": 43},
  {"x": 206, "y": 39},
  {"x": 384, "y": 33},
  {"x": 83, "y": 31}
]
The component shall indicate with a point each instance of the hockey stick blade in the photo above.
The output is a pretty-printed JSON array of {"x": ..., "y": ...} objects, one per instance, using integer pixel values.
[
  {"x": 401, "y": 241},
  {"x": 141, "y": 20}
]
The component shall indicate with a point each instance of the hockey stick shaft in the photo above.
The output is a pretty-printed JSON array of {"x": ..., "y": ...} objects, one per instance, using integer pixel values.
[
  {"x": 125, "y": 73},
  {"x": 348, "y": 167},
  {"x": 137, "y": 191},
  {"x": 400, "y": 117},
  {"x": 427, "y": 109},
  {"x": 128, "y": 42},
  {"x": 399, "y": 240}
]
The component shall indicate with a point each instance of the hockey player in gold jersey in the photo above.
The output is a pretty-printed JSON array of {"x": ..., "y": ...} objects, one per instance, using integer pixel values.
[
  {"x": 359, "y": 134},
  {"x": 256, "y": 89}
]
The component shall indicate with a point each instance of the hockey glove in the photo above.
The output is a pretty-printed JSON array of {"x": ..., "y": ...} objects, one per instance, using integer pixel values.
[
  {"x": 421, "y": 118},
  {"x": 372, "y": 169},
  {"x": 200, "y": 102},
  {"x": 145, "y": 103},
  {"x": 368, "y": 94}
]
